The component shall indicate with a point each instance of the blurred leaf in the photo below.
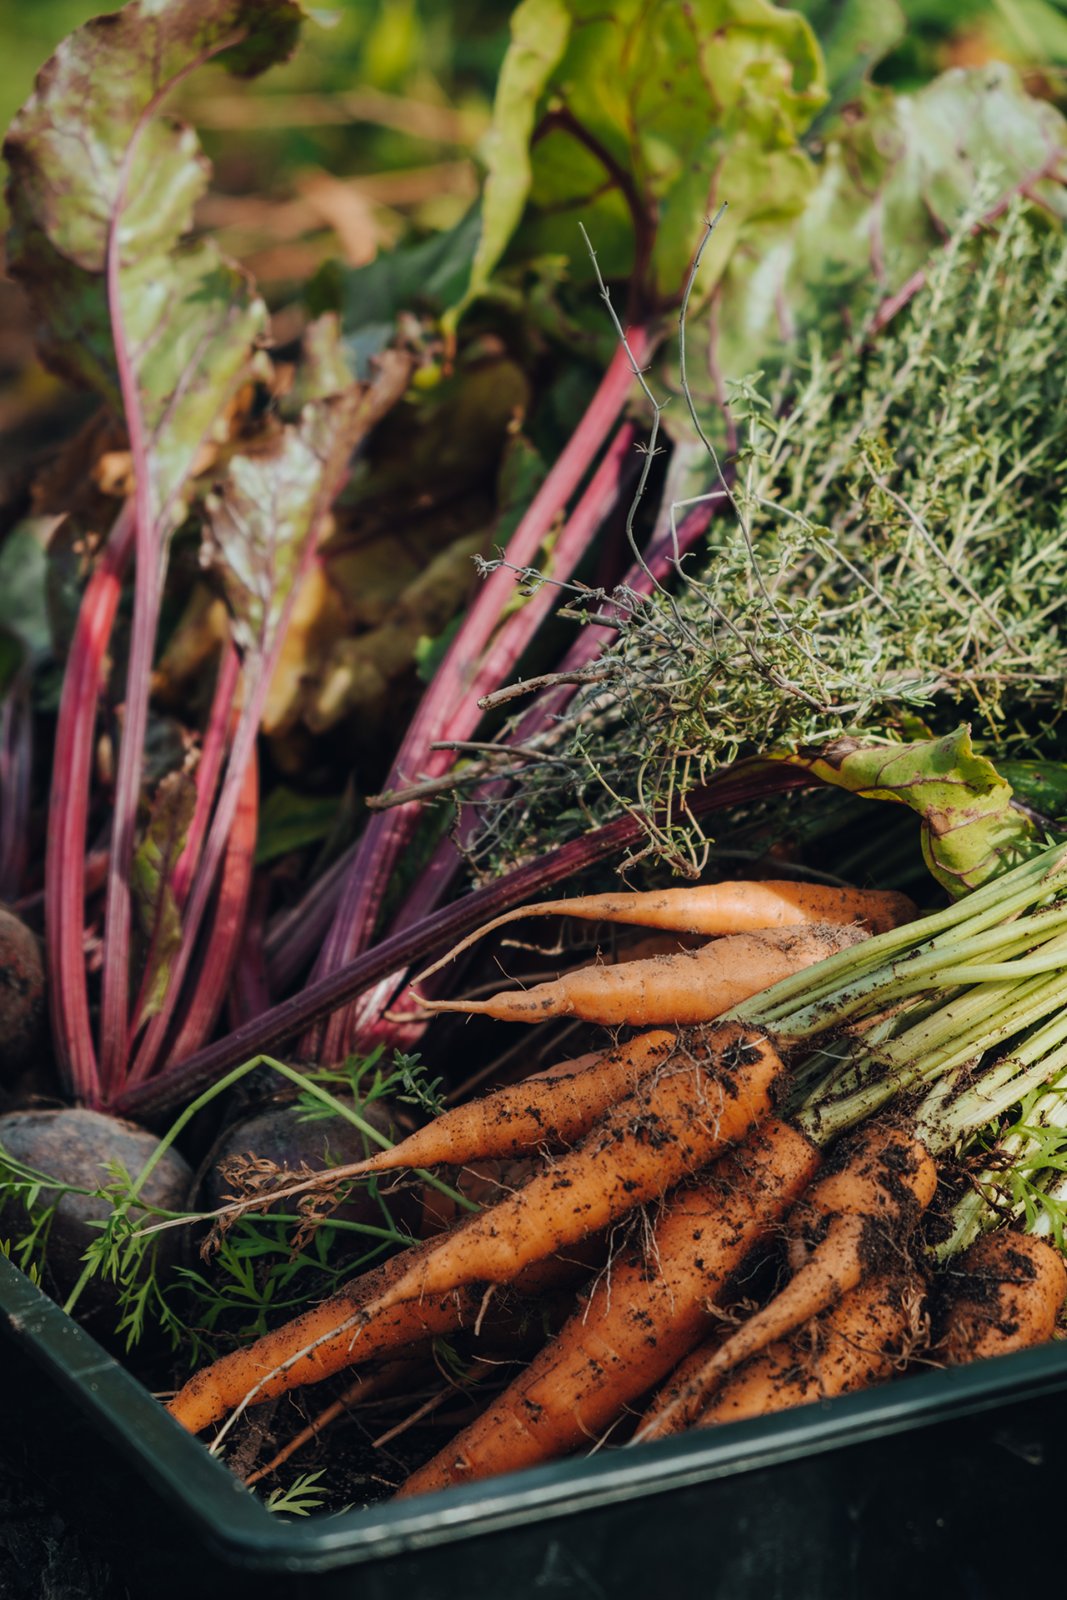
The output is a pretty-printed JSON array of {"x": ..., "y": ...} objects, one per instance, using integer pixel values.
[
  {"x": 324, "y": 369},
  {"x": 1040, "y": 784},
  {"x": 433, "y": 274},
  {"x": 854, "y": 36},
  {"x": 895, "y": 182},
  {"x": 23, "y": 576},
  {"x": 270, "y": 503},
  {"x": 288, "y": 821},
  {"x": 539, "y": 33},
  {"x": 155, "y": 909}
]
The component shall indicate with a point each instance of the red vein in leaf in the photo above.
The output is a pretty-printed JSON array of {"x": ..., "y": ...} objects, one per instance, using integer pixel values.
[
  {"x": 148, "y": 589},
  {"x": 388, "y": 832},
  {"x": 68, "y": 812}
]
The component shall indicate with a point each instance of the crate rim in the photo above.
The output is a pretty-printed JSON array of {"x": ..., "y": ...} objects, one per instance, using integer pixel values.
[{"x": 237, "y": 1527}]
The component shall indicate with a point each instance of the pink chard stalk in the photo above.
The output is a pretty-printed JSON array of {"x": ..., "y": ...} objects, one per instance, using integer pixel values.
[{"x": 165, "y": 335}]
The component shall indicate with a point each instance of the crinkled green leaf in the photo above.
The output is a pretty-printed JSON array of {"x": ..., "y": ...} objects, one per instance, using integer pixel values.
[
  {"x": 539, "y": 34},
  {"x": 971, "y": 832},
  {"x": 68, "y": 145},
  {"x": 158, "y": 920},
  {"x": 88, "y": 154},
  {"x": 639, "y": 120}
]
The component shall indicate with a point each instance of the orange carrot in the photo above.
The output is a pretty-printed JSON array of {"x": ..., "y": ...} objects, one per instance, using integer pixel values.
[
  {"x": 216, "y": 1389},
  {"x": 551, "y": 1108},
  {"x": 1005, "y": 1293},
  {"x": 716, "y": 1087},
  {"x": 847, "y": 1220},
  {"x": 678, "y": 1405},
  {"x": 691, "y": 987},
  {"x": 717, "y": 908},
  {"x": 525, "y": 1116},
  {"x": 854, "y": 1345},
  {"x": 646, "y": 1310}
]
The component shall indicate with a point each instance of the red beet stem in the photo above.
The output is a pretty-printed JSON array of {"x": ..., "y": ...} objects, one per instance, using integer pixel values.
[
  {"x": 249, "y": 992},
  {"x": 16, "y": 768},
  {"x": 212, "y": 756},
  {"x": 68, "y": 811}
]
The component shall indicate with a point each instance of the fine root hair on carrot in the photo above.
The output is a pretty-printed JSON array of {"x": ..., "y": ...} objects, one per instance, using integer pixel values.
[
  {"x": 717, "y": 1085},
  {"x": 852, "y": 1220},
  {"x": 715, "y": 909},
  {"x": 679, "y": 990},
  {"x": 1005, "y": 1293},
  {"x": 552, "y": 1108},
  {"x": 639, "y": 1319},
  {"x": 870, "y": 1333}
]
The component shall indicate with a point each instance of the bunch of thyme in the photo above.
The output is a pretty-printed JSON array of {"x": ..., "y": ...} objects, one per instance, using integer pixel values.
[{"x": 899, "y": 545}]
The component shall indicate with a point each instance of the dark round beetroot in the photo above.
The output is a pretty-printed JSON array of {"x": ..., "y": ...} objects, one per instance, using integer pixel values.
[
  {"x": 72, "y": 1145},
  {"x": 277, "y": 1133},
  {"x": 21, "y": 996}
]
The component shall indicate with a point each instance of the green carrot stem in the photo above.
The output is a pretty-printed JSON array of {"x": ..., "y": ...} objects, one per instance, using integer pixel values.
[{"x": 998, "y": 902}]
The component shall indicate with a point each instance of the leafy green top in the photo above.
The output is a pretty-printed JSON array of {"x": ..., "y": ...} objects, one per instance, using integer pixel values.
[{"x": 637, "y": 122}]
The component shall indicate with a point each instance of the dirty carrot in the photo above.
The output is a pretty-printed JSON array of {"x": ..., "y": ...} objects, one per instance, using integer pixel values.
[
  {"x": 647, "y": 1308},
  {"x": 853, "y": 1345},
  {"x": 716, "y": 1087},
  {"x": 717, "y": 908},
  {"x": 328, "y": 1328},
  {"x": 554, "y": 1107},
  {"x": 524, "y": 1117},
  {"x": 1004, "y": 1293},
  {"x": 848, "y": 1218},
  {"x": 674, "y": 990}
]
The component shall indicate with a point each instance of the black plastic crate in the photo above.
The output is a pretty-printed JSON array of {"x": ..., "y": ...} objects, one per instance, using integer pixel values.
[{"x": 951, "y": 1484}]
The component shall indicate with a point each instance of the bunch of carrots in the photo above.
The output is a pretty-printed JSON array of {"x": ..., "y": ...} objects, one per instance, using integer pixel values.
[{"x": 798, "y": 1076}]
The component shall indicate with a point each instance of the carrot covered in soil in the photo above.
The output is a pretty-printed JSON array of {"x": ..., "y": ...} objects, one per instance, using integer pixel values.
[
  {"x": 710, "y": 1093},
  {"x": 647, "y": 1309},
  {"x": 680, "y": 990},
  {"x": 716, "y": 909},
  {"x": 856, "y": 1344},
  {"x": 1005, "y": 1293},
  {"x": 215, "y": 1390},
  {"x": 556, "y": 1106},
  {"x": 526, "y": 1116},
  {"x": 847, "y": 1224}
]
